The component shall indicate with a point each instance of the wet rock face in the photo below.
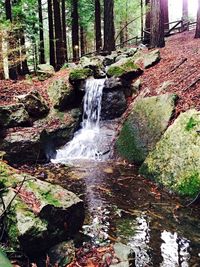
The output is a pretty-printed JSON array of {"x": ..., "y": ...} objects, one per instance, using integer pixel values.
[
  {"x": 113, "y": 99},
  {"x": 144, "y": 127},
  {"x": 34, "y": 104},
  {"x": 175, "y": 161},
  {"x": 41, "y": 215},
  {"x": 14, "y": 115}
]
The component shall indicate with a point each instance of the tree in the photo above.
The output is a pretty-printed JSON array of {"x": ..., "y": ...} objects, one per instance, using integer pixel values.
[
  {"x": 64, "y": 33},
  {"x": 51, "y": 34},
  {"x": 41, "y": 33},
  {"x": 166, "y": 14},
  {"x": 109, "y": 28},
  {"x": 185, "y": 10},
  {"x": 147, "y": 22},
  {"x": 197, "y": 33},
  {"x": 98, "y": 36},
  {"x": 157, "y": 24},
  {"x": 75, "y": 29}
]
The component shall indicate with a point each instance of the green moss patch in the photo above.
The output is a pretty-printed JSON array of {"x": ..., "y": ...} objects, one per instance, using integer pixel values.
[{"x": 80, "y": 74}]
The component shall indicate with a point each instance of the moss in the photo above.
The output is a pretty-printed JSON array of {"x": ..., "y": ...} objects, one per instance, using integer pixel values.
[
  {"x": 11, "y": 226},
  {"x": 80, "y": 74},
  {"x": 191, "y": 124},
  {"x": 115, "y": 71},
  {"x": 50, "y": 198},
  {"x": 118, "y": 71},
  {"x": 189, "y": 185}
]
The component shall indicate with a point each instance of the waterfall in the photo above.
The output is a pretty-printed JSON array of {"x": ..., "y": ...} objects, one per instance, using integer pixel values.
[{"x": 84, "y": 143}]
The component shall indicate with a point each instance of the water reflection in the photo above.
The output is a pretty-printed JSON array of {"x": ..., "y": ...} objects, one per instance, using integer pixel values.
[{"x": 175, "y": 250}]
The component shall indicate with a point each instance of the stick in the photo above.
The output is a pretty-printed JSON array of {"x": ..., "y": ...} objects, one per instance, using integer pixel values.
[
  {"x": 192, "y": 84},
  {"x": 183, "y": 60}
]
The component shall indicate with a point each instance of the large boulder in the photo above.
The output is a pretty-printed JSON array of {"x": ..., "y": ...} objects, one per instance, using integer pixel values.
[
  {"x": 175, "y": 161},
  {"x": 62, "y": 95},
  {"x": 144, "y": 127},
  {"x": 125, "y": 68},
  {"x": 95, "y": 64},
  {"x": 40, "y": 213},
  {"x": 147, "y": 60},
  {"x": 34, "y": 104},
  {"x": 78, "y": 75},
  {"x": 113, "y": 99},
  {"x": 45, "y": 71},
  {"x": 14, "y": 115},
  {"x": 38, "y": 143}
]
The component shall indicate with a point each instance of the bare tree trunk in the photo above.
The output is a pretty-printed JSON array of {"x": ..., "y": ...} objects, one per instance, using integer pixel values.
[
  {"x": 11, "y": 44},
  {"x": 185, "y": 10},
  {"x": 24, "y": 64},
  {"x": 75, "y": 30},
  {"x": 157, "y": 24},
  {"x": 60, "y": 58},
  {"x": 64, "y": 31},
  {"x": 147, "y": 22},
  {"x": 83, "y": 39},
  {"x": 197, "y": 33},
  {"x": 121, "y": 36},
  {"x": 166, "y": 14},
  {"x": 98, "y": 25},
  {"x": 1, "y": 58},
  {"x": 142, "y": 19},
  {"x": 51, "y": 34},
  {"x": 41, "y": 31},
  {"x": 109, "y": 28}
]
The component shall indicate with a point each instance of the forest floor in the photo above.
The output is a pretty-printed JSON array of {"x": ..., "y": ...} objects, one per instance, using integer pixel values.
[{"x": 180, "y": 65}]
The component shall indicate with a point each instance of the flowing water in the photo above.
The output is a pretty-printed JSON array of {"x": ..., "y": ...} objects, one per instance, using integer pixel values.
[{"x": 121, "y": 206}]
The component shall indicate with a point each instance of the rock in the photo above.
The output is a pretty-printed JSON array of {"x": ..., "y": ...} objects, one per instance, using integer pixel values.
[
  {"x": 144, "y": 127},
  {"x": 125, "y": 255},
  {"x": 125, "y": 69},
  {"x": 77, "y": 76},
  {"x": 41, "y": 213},
  {"x": 164, "y": 87},
  {"x": 135, "y": 87},
  {"x": 151, "y": 58},
  {"x": 34, "y": 104},
  {"x": 176, "y": 159},
  {"x": 62, "y": 254},
  {"x": 13, "y": 116},
  {"x": 131, "y": 51},
  {"x": 118, "y": 58},
  {"x": 63, "y": 95},
  {"x": 113, "y": 99},
  {"x": 45, "y": 71},
  {"x": 95, "y": 64},
  {"x": 38, "y": 143},
  {"x": 4, "y": 261},
  {"x": 109, "y": 60}
]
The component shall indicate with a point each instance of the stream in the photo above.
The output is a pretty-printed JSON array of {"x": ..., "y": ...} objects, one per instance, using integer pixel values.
[{"x": 121, "y": 206}]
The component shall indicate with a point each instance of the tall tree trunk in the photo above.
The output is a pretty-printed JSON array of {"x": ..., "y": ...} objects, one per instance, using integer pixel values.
[
  {"x": 185, "y": 10},
  {"x": 83, "y": 40},
  {"x": 1, "y": 57},
  {"x": 121, "y": 36},
  {"x": 142, "y": 19},
  {"x": 60, "y": 58},
  {"x": 166, "y": 14},
  {"x": 197, "y": 33},
  {"x": 157, "y": 24},
  {"x": 109, "y": 28},
  {"x": 11, "y": 44},
  {"x": 64, "y": 32},
  {"x": 147, "y": 22},
  {"x": 75, "y": 30},
  {"x": 51, "y": 34},
  {"x": 24, "y": 64},
  {"x": 98, "y": 25},
  {"x": 41, "y": 31}
]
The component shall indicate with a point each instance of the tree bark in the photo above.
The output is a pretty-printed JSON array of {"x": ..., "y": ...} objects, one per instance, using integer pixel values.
[
  {"x": 157, "y": 24},
  {"x": 109, "y": 28},
  {"x": 185, "y": 10},
  {"x": 24, "y": 64},
  {"x": 166, "y": 14},
  {"x": 41, "y": 33},
  {"x": 51, "y": 34},
  {"x": 197, "y": 33},
  {"x": 60, "y": 58},
  {"x": 11, "y": 44},
  {"x": 98, "y": 35},
  {"x": 75, "y": 30},
  {"x": 64, "y": 32},
  {"x": 147, "y": 22},
  {"x": 1, "y": 58}
]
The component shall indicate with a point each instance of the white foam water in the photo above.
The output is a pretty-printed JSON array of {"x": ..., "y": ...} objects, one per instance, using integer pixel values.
[{"x": 84, "y": 143}]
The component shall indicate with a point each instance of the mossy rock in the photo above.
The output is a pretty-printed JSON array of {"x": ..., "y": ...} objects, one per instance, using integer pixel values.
[
  {"x": 62, "y": 95},
  {"x": 4, "y": 261},
  {"x": 175, "y": 162},
  {"x": 125, "y": 69},
  {"x": 144, "y": 127},
  {"x": 79, "y": 74}
]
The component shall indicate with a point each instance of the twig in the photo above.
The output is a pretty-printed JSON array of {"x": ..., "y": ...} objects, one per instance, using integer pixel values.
[
  {"x": 183, "y": 60},
  {"x": 192, "y": 84}
]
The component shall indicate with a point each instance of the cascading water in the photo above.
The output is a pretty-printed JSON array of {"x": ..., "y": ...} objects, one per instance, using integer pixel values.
[{"x": 84, "y": 143}]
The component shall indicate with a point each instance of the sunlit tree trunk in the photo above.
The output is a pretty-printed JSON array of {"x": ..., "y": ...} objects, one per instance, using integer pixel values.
[
  {"x": 75, "y": 30},
  {"x": 98, "y": 36},
  {"x": 147, "y": 22},
  {"x": 24, "y": 64},
  {"x": 197, "y": 33},
  {"x": 185, "y": 10},
  {"x": 157, "y": 24},
  {"x": 64, "y": 31},
  {"x": 166, "y": 14},
  {"x": 1, "y": 57},
  {"x": 41, "y": 33},
  {"x": 109, "y": 28}
]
